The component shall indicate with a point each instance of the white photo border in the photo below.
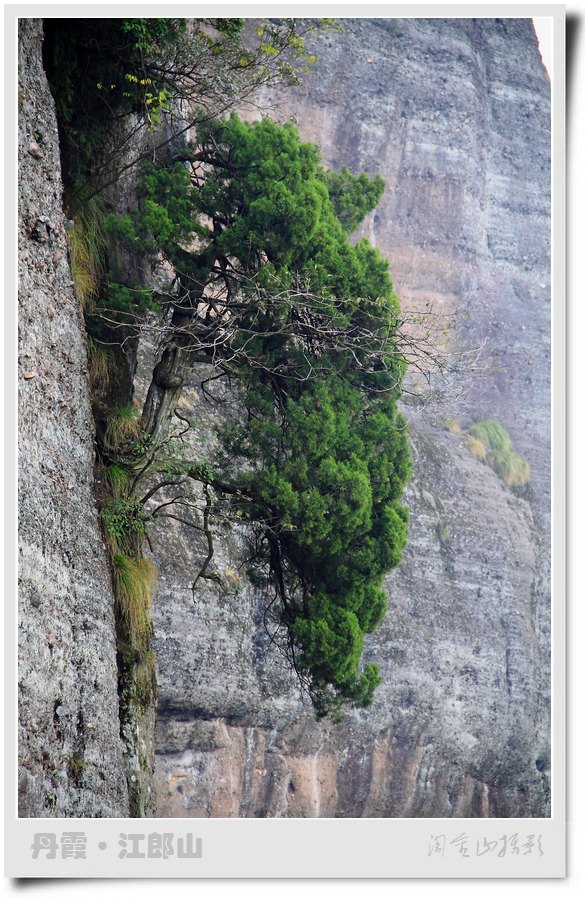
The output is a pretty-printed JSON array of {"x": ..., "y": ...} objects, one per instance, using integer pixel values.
[{"x": 308, "y": 848}]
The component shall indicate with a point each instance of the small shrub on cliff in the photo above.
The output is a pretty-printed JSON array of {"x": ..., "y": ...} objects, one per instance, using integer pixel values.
[
  {"x": 491, "y": 442},
  {"x": 123, "y": 524}
]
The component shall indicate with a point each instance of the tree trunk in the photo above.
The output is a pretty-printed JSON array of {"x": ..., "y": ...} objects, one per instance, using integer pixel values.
[{"x": 164, "y": 391}]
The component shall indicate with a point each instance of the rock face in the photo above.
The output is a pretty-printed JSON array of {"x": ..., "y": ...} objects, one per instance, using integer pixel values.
[
  {"x": 70, "y": 751},
  {"x": 455, "y": 114}
]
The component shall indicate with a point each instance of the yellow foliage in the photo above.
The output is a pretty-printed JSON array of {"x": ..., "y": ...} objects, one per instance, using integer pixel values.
[
  {"x": 452, "y": 425},
  {"x": 477, "y": 448}
]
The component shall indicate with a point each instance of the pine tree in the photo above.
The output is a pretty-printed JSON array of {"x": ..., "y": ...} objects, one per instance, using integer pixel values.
[{"x": 269, "y": 286}]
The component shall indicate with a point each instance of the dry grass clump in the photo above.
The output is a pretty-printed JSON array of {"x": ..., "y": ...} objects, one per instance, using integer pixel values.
[
  {"x": 452, "y": 425},
  {"x": 100, "y": 366},
  {"x": 477, "y": 448}
]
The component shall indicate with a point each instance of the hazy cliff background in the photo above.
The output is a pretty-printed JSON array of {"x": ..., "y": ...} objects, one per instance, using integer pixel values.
[{"x": 455, "y": 114}]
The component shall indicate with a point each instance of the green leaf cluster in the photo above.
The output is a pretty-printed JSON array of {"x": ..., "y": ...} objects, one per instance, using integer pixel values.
[
  {"x": 326, "y": 482},
  {"x": 123, "y": 523},
  {"x": 150, "y": 36},
  {"x": 102, "y": 70}
]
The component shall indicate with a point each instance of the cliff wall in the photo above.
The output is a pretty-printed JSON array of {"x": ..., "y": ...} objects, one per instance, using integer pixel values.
[
  {"x": 455, "y": 114},
  {"x": 70, "y": 753}
]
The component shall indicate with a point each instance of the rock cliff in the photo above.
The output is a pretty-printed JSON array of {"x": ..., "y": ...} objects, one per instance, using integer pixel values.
[
  {"x": 455, "y": 114},
  {"x": 70, "y": 751}
]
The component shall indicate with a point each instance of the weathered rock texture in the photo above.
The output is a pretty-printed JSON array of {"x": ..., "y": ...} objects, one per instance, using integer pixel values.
[
  {"x": 69, "y": 733},
  {"x": 455, "y": 115}
]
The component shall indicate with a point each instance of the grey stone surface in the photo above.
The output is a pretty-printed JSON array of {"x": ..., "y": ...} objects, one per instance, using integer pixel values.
[
  {"x": 455, "y": 116},
  {"x": 70, "y": 754}
]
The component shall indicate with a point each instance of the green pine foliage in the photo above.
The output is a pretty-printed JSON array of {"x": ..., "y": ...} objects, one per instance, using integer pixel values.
[
  {"x": 269, "y": 203},
  {"x": 352, "y": 197},
  {"x": 326, "y": 497}
]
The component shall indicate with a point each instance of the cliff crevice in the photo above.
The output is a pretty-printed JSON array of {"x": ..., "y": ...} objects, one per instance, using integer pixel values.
[{"x": 70, "y": 752}]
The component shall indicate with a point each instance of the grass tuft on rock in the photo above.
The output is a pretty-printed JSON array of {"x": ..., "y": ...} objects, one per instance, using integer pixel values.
[
  {"x": 452, "y": 425},
  {"x": 491, "y": 442},
  {"x": 135, "y": 582},
  {"x": 118, "y": 480},
  {"x": 122, "y": 431},
  {"x": 145, "y": 679},
  {"x": 477, "y": 448},
  {"x": 87, "y": 251},
  {"x": 100, "y": 366}
]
